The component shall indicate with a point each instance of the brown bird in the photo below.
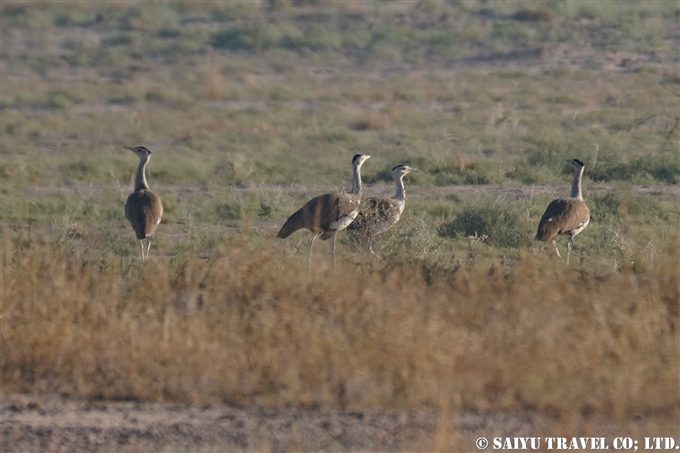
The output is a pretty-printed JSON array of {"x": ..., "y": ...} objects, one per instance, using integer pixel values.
[
  {"x": 565, "y": 216},
  {"x": 143, "y": 207},
  {"x": 381, "y": 214},
  {"x": 327, "y": 214}
]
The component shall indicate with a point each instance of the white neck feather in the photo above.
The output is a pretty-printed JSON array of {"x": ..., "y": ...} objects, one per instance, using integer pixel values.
[
  {"x": 140, "y": 178},
  {"x": 356, "y": 180},
  {"x": 401, "y": 193},
  {"x": 576, "y": 184}
]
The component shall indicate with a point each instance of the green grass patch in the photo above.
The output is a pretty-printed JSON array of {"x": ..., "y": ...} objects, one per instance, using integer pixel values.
[{"x": 493, "y": 220}]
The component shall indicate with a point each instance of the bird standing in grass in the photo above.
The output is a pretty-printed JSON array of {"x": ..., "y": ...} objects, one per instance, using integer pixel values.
[
  {"x": 565, "y": 216},
  {"x": 380, "y": 214},
  {"x": 143, "y": 207},
  {"x": 327, "y": 214}
]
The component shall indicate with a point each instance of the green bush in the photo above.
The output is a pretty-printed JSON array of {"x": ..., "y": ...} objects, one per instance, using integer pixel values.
[
  {"x": 660, "y": 167},
  {"x": 61, "y": 99},
  {"x": 612, "y": 206},
  {"x": 504, "y": 224},
  {"x": 601, "y": 239},
  {"x": 229, "y": 211},
  {"x": 243, "y": 37},
  {"x": 81, "y": 170},
  {"x": 445, "y": 172},
  {"x": 528, "y": 174},
  {"x": 548, "y": 153}
]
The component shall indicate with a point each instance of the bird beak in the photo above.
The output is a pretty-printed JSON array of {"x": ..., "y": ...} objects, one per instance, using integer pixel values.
[{"x": 127, "y": 147}]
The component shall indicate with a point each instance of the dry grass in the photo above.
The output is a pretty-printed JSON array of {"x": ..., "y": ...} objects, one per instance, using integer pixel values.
[
  {"x": 251, "y": 327},
  {"x": 264, "y": 99}
]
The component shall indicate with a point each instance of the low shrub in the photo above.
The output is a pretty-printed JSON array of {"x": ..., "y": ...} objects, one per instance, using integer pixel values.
[{"x": 503, "y": 224}]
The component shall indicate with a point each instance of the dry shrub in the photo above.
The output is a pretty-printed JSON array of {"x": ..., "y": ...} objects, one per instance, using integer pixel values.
[
  {"x": 215, "y": 86},
  {"x": 369, "y": 122},
  {"x": 253, "y": 327},
  {"x": 376, "y": 120},
  {"x": 528, "y": 15}
]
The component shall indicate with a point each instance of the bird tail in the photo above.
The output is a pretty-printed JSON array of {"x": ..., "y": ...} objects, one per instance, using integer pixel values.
[
  {"x": 541, "y": 233},
  {"x": 294, "y": 223},
  {"x": 546, "y": 231}
]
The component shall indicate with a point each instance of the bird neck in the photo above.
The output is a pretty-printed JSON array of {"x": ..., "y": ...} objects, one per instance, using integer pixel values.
[
  {"x": 576, "y": 184},
  {"x": 356, "y": 180},
  {"x": 401, "y": 194},
  {"x": 140, "y": 178}
]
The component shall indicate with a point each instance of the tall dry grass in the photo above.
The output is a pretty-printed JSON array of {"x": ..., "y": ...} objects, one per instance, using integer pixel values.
[{"x": 253, "y": 327}]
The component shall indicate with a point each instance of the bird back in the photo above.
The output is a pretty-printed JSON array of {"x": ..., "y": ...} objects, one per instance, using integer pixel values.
[
  {"x": 561, "y": 217},
  {"x": 318, "y": 213},
  {"x": 377, "y": 211},
  {"x": 144, "y": 211}
]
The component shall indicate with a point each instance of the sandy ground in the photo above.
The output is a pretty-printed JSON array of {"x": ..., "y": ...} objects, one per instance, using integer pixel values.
[
  {"x": 52, "y": 424},
  {"x": 33, "y": 424}
]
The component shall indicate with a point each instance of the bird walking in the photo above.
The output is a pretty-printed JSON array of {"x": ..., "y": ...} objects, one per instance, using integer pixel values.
[
  {"x": 565, "y": 216},
  {"x": 143, "y": 207},
  {"x": 381, "y": 214},
  {"x": 327, "y": 214}
]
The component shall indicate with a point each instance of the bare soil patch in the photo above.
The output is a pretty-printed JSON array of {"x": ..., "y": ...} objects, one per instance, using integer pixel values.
[
  {"x": 39, "y": 424},
  {"x": 31, "y": 424}
]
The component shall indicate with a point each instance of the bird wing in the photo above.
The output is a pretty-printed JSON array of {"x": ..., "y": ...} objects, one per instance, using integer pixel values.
[
  {"x": 144, "y": 211},
  {"x": 375, "y": 211},
  {"x": 348, "y": 209},
  {"x": 381, "y": 209},
  {"x": 561, "y": 217},
  {"x": 319, "y": 212}
]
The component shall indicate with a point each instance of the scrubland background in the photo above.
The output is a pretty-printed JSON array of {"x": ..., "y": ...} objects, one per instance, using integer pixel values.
[{"x": 252, "y": 108}]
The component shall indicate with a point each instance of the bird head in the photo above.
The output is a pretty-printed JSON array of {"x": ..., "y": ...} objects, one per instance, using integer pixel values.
[
  {"x": 400, "y": 171},
  {"x": 575, "y": 164},
  {"x": 359, "y": 159},
  {"x": 140, "y": 151}
]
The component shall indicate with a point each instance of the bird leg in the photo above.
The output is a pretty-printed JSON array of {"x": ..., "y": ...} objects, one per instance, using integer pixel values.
[
  {"x": 569, "y": 243},
  {"x": 556, "y": 249},
  {"x": 369, "y": 246},
  {"x": 297, "y": 246},
  {"x": 333, "y": 247},
  {"x": 311, "y": 245},
  {"x": 148, "y": 246},
  {"x": 141, "y": 245}
]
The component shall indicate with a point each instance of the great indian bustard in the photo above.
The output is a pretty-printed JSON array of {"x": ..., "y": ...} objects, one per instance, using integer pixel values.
[
  {"x": 565, "y": 216},
  {"x": 143, "y": 207},
  {"x": 382, "y": 213},
  {"x": 327, "y": 214}
]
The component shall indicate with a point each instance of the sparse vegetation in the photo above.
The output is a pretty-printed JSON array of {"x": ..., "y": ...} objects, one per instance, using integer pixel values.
[
  {"x": 251, "y": 107},
  {"x": 494, "y": 221}
]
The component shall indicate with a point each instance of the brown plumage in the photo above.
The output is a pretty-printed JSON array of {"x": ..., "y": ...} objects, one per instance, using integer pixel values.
[
  {"x": 327, "y": 214},
  {"x": 143, "y": 208},
  {"x": 319, "y": 214},
  {"x": 565, "y": 216},
  {"x": 380, "y": 214}
]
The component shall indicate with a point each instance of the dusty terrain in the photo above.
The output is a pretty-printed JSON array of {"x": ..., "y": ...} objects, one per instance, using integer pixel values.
[
  {"x": 33, "y": 424},
  {"x": 52, "y": 424}
]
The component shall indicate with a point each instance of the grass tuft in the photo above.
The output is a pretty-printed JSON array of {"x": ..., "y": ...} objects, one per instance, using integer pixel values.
[{"x": 495, "y": 221}]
